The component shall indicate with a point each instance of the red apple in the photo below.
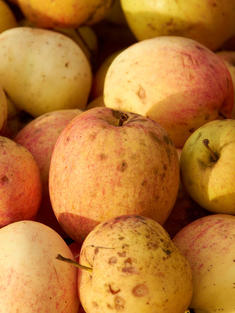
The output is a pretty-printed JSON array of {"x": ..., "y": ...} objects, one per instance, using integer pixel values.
[
  {"x": 107, "y": 163},
  {"x": 39, "y": 137}
]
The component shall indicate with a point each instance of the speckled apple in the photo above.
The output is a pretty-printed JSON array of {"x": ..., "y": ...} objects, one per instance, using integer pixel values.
[
  {"x": 135, "y": 268},
  {"x": 20, "y": 183},
  {"x": 106, "y": 163}
]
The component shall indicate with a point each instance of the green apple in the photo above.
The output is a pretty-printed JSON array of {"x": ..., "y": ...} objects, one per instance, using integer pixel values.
[
  {"x": 208, "y": 166},
  {"x": 209, "y": 22}
]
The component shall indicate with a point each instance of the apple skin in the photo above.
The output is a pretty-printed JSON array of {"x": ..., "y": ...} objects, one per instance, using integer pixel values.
[
  {"x": 32, "y": 279},
  {"x": 174, "y": 80},
  {"x": 20, "y": 183},
  {"x": 39, "y": 137},
  {"x": 211, "y": 182},
  {"x": 208, "y": 22},
  {"x": 69, "y": 13},
  {"x": 229, "y": 58},
  {"x": 135, "y": 268},
  {"x": 208, "y": 244},
  {"x": 111, "y": 170}
]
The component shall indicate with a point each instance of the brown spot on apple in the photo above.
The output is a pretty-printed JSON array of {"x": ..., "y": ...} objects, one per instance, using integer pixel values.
[
  {"x": 4, "y": 180},
  {"x": 119, "y": 303},
  {"x": 122, "y": 167},
  {"x": 112, "y": 260},
  {"x": 141, "y": 93},
  {"x": 122, "y": 254},
  {"x": 102, "y": 156},
  {"x": 113, "y": 291},
  {"x": 95, "y": 304},
  {"x": 140, "y": 290}
]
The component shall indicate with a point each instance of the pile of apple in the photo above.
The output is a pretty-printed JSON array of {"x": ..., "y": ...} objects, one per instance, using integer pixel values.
[{"x": 117, "y": 156}]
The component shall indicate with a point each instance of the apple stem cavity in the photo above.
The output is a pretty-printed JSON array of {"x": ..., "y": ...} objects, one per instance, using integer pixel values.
[
  {"x": 83, "y": 267},
  {"x": 123, "y": 118},
  {"x": 213, "y": 154}
]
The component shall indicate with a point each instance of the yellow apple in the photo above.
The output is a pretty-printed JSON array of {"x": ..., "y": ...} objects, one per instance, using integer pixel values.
[
  {"x": 176, "y": 81},
  {"x": 42, "y": 70},
  {"x": 7, "y": 18},
  {"x": 135, "y": 268},
  {"x": 69, "y": 13},
  {"x": 208, "y": 166},
  {"x": 209, "y": 22}
]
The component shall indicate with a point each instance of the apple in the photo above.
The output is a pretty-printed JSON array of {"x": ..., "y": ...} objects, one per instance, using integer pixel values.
[
  {"x": 42, "y": 70},
  {"x": 135, "y": 267},
  {"x": 209, "y": 22},
  {"x": 97, "y": 102},
  {"x": 174, "y": 80},
  {"x": 20, "y": 183},
  {"x": 229, "y": 58},
  {"x": 99, "y": 76},
  {"x": 209, "y": 246},
  {"x": 7, "y": 18},
  {"x": 39, "y": 137},
  {"x": 106, "y": 163},
  {"x": 69, "y": 13},
  {"x": 31, "y": 278},
  {"x": 208, "y": 166}
]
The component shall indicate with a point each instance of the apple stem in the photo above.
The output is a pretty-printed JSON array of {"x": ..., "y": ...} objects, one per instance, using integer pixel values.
[
  {"x": 83, "y": 267},
  {"x": 213, "y": 154},
  {"x": 123, "y": 117}
]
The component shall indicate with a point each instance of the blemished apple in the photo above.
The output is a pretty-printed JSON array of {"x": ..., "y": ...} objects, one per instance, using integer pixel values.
[
  {"x": 208, "y": 166},
  {"x": 20, "y": 183},
  {"x": 135, "y": 267},
  {"x": 209, "y": 22},
  {"x": 32, "y": 279},
  {"x": 229, "y": 58},
  {"x": 106, "y": 163},
  {"x": 39, "y": 137},
  {"x": 173, "y": 80},
  {"x": 208, "y": 244}
]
